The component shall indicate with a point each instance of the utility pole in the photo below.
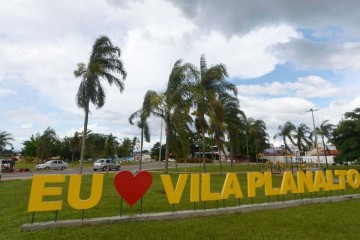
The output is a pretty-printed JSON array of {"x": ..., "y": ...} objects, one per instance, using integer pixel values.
[{"x": 317, "y": 151}]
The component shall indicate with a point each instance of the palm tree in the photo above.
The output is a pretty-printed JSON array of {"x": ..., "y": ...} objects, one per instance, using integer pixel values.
[
  {"x": 5, "y": 140},
  {"x": 173, "y": 105},
  {"x": 46, "y": 143},
  {"x": 232, "y": 120},
  {"x": 303, "y": 139},
  {"x": 325, "y": 130},
  {"x": 245, "y": 127},
  {"x": 125, "y": 147},
  {"x": 258, "y": 133},
  {"x": 209, "y": 86},
  {"x": 142, "y": 123},
  {"x": 75, "y": 143},
  {"x": 104, "y": 61},
  {"x": 286, "y": 132},
  {"x": 110, "y": 146}
]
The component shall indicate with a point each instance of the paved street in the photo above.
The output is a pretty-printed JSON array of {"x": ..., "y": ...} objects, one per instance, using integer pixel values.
[{"x": 86, "y": 170}]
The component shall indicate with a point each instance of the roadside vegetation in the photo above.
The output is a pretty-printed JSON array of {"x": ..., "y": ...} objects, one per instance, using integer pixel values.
[{"x": 333, "y": 220}]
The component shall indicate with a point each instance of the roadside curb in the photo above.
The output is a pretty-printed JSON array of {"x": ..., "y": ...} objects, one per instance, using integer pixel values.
[{"x": 185, "y": 214}]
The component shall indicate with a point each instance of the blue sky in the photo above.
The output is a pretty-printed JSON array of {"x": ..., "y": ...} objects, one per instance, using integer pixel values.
[{"x": 285, "y": 57}]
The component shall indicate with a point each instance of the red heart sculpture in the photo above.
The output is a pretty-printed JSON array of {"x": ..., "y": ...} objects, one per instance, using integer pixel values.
[{"x": 132, "y": 187}]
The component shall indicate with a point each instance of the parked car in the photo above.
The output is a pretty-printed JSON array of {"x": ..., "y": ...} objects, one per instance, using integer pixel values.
[
  {"x": 103, "y": 164},
  {"x": 53, "y": 164}
]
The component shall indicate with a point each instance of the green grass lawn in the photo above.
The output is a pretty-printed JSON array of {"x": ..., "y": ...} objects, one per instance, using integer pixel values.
[{"x": 330, "y": 221}]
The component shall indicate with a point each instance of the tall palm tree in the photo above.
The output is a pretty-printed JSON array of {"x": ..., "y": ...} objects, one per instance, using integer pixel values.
[
  {"x": 111, "y": 145},
  {"x": 5, "y": 140},
  {"x": 303, "y": 140},
  {"x": 325, "y": 131},
  {"x": 142, "y": 114},
  {"x": 175, "y": 99},
  {"x": 257, "y": 131},
  {"x": 209, "y": 86},
  {"x": 285, "y": 132},
  {"x": 75, "y": 143},
  {"x": 104, "y": 61},
  {"x": 245, "y": 127},
  {"x": 125, "y": 147},
  {"x": 232, "y": 120}
]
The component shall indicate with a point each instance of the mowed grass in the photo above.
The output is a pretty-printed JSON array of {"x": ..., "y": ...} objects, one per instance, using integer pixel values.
[{"x": 330, "y": 221}]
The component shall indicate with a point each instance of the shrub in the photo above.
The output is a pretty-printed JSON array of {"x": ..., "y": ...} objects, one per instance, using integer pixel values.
[
  {"x": 29, "y": 159},
  {"x": 194, "y": 160}
]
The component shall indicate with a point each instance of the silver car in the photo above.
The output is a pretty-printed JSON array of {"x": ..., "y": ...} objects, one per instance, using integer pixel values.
[
  {"x": 53, "y": 164},
  {"x": 103, "y": 164}
]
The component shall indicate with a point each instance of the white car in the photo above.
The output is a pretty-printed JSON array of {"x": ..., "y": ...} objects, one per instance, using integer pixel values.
[
  {"x": 53, "y": 164},
  {"x": 103, "y": 164}
]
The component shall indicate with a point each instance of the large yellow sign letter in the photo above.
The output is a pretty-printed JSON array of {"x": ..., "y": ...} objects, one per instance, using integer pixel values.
[
  {"x": 74, "y": 192},
  {"x": 38, "y": 191},
  {"x": 174, "y": 195}
]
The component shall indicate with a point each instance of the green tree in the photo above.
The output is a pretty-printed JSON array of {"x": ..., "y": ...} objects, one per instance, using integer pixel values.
[
  {"x": 259, "y": 137},
  {"x": 96, "y": 145},
  {"x": 155, "y": 151},
  {"x": 302, "y": 134},
  {"x": 231, "y": 117},
  {"x": 46, "y": 144},
  {"x": 30, "y": 146},
  {"x": 325, "y": 131},
  {"x": 173, "y": 105},
  {"x": 142, "y": 115},
  {"x": 286, "y": 131},
  {"x": 126, "y": 147},
  {"x": 75, "y": 144},
  {"x": 209, "y": 86},
  {"x": 111, "y": 145},
  {"x": 5, "y": 140},
  {"x": 346, "y": 137},
  {"x": 104, "y": 62}
]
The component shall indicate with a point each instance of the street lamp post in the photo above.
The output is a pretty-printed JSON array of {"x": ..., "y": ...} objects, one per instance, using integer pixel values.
[{"x": 317, "y": 151}]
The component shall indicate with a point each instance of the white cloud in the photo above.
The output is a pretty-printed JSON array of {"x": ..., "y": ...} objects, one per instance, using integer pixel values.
[
  {"x": 305, "y": 54},
  {"x": 5, "y": 92},
  {"x": 241, "y": 16},
  {"x": 41, "y": 43},
  {"x": 26, "y": 126},
  {"x": 305, "y": 87}
]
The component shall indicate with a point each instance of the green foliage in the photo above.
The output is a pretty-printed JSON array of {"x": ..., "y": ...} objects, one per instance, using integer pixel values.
[
  {"x": 346, "y": 137},
  {"x": 126, "y": 147},
  {"x": 30, "y": 146},
  {"x": 111, "y": 145},
  {"x": 193, "y": 160},
  {"x": 320, "y": 221},
  {"x": 29, "y": 159},
  {"x": 104, "y": 64},
  {"x": 155, "y": 151},
  {"x": 5, "y": 140}
]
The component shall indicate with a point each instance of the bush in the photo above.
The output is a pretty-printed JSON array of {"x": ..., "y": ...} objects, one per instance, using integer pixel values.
[
  {"x": 194, "y": 160},
  {"x": 29, "y": 159}
]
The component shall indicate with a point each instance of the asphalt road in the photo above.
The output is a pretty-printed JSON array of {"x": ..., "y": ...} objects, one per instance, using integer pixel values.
[{"x": 86, "y": 170}]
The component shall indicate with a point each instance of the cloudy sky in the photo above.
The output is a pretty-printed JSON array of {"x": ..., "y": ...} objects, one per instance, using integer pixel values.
[{"x": 284, "y": 56}]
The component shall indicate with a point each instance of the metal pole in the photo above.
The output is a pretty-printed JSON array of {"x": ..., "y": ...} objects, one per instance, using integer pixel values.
[{"x": 317, "y": 151}]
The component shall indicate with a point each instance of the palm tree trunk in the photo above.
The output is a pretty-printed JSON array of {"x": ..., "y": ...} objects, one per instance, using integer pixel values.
[
  {"x": 84, "y": 137},
  {"x": 220, "y": 160},
  {"x": 167, "y": 147},
  {"x": 326, "y": 162},
  {"x": 232, "y": 156},
  {"x": 203, "y": 147},
  {"x": 141, "y": 147}
]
